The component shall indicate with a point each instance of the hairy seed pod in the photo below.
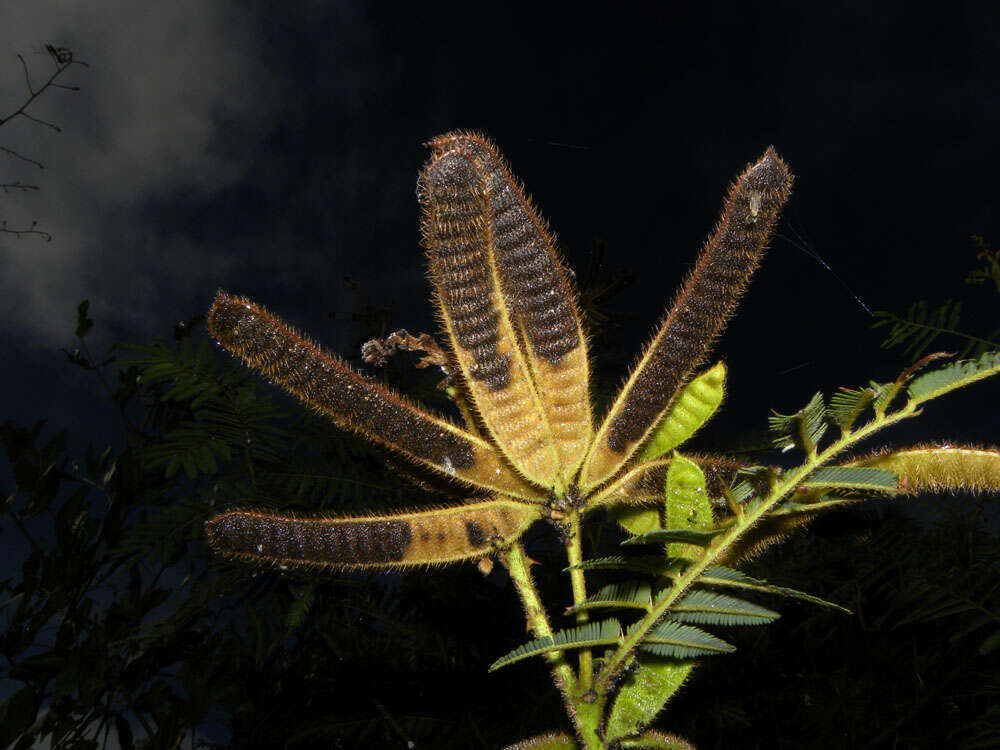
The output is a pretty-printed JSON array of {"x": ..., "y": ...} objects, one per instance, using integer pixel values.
[
  {"x": 540, "y": 300},
  {"x": 435, "y": 536},
  {"x": 327, "y": 384},
  {"x": 697, "y": 316},
  {"x": 459, "y": 239}
]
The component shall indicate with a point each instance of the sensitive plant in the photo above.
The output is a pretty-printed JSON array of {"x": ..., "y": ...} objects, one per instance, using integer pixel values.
[{"x": 529, "y": 448}]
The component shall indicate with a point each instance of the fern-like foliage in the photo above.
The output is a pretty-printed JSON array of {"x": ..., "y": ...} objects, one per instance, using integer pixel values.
[
  {"x": 956, "y": 375},
  {"x": 678, "y": 641},
  {"x": 719, "y": 575},
  {"x": 603, "y": 633},
  {"x": 708, "y": 608},
  {"x": 803, "y": 429},
  {"x": 530, "y": 448},
  {"x": 628, "y": 595},
  {"x": 923, "y": 327}
]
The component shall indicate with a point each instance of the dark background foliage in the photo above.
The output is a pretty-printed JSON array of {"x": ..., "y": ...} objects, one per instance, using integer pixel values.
[
  {"x": 120, "y": 623},
  {"x": 295, "y": 187}
]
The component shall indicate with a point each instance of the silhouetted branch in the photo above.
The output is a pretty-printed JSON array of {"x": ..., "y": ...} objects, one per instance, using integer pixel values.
[
  {"x": 5, "y": 186},
  {"x": 15, "y": 155},
  {"x": 30, "y": 231},
  {"x": 62, "y": 58}
]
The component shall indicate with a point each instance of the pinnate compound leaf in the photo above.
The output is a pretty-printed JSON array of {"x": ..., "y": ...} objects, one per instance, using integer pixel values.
[
  {"x": 676, "y": 640},
  {"x": 956, "y": 375},
  {"x": 685, "y": 536},
  {"x": 604, "y": 633},
  {"x": 847, "y": 404},
  {"x": 853, "y": 478},
  {"x": 652, "y": 564},
  {"x": 644, "y": 693},
  {"x": 719, "y": 575},
  {"x": 629, "y": 595},
  {"x": 694, "y": 406},
  {"x": 803, "y": 429},
  {"x": 709, "y": 608}
]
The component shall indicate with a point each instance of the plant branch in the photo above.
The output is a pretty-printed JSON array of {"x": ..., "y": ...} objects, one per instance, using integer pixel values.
[
  {"x": 8, "y": 186},
  {"x": 574, "y": 552},
  {"x": 62, "y": 64},
  {"x": 30, "y": 231},
  {"x": 517, "y": 564},
  {"x": 15, "y": 155},
  {"x": 614, "y": 665}
]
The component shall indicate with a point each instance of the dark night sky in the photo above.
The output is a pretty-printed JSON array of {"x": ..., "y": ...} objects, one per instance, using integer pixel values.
[{"x": 272, "y": 149}]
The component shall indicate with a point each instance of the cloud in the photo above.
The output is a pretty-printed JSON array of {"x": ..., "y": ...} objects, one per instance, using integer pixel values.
[{"x": 173, "y": 100}]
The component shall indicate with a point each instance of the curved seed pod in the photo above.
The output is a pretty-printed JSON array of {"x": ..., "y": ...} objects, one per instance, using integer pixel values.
[
  {"x": 541, "y": 301},
  {"x": 694, "y": 406},
  {"x": 697, "y": 316},
  {"x": 920, "y": 469},
  {"x": 459, "y": 239},
  {"x": 930, "y": 468},
  {"x": 327, "y": 384},
  {"x": 436, "y": 536}
]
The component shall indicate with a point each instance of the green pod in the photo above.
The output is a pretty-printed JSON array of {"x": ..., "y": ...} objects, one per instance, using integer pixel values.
[
  {"x": 694, "y": 406},
  {"x": 686, "y": 505}
]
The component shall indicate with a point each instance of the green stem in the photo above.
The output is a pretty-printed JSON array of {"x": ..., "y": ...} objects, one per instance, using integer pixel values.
[
  {"x": 538, "y": 622},
  {"x": 788, "y": 482},
  {"x": 574, "y": 551}
]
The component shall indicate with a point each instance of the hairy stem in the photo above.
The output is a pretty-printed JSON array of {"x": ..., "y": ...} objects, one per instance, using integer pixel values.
[
  {"x": 517, "y": 564},
  {"x": 616, "y": 662},
  {"x": 574, "y": 551}
]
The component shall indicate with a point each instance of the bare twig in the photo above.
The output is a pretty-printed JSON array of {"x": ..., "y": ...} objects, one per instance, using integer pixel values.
[
  {"x": 29, "y": 232},
  {"x": 15, "y": 155},
  {"x": 6, "y": 186},
  {"x": 63, "y": 59}
]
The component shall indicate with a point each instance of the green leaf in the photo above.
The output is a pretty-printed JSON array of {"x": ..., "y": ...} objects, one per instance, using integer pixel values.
[
  {"x": 695, "y": 405},
  {"x": 718, "y": 575},
  {"x": 644, "y": 693},
  {"x": 709, "y": 608},
  {"x": 803, "y": 429},
  {"x": 847, "y": 404},
  {"x": 653, "y": 564},
  {"x": 684, "y": 536},
  {"x": 956, "y": 375},
  {"x": 853, "y": 478},
  {"x": 604, "y": 633},
  {"x": 676, "y": 640},
  {"x": 629, "y": 594},
  {"x": 921, "y": 327}
]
